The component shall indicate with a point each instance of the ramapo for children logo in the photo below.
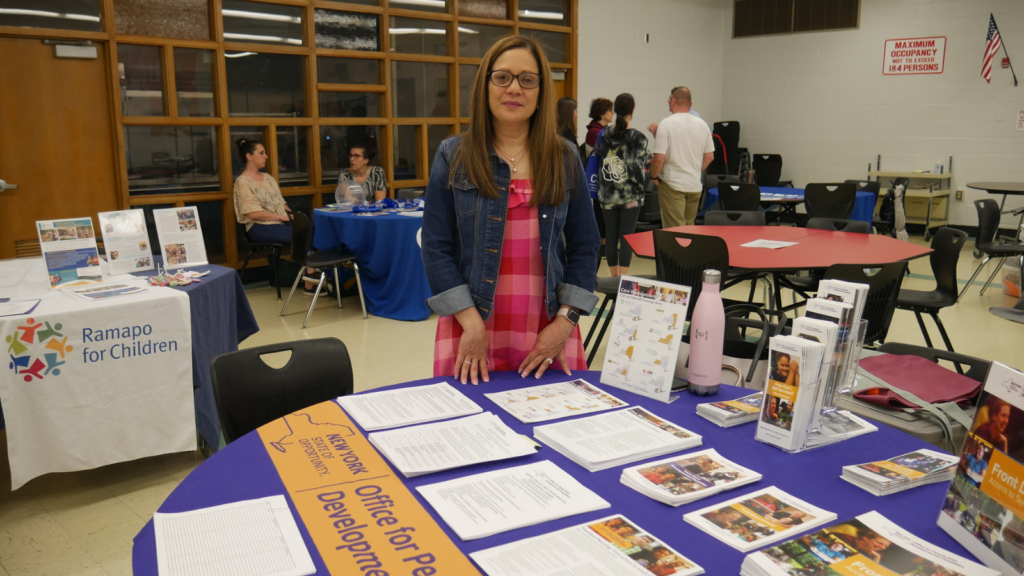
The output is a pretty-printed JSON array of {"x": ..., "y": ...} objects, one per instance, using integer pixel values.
[{"x": 37, "y": 350}]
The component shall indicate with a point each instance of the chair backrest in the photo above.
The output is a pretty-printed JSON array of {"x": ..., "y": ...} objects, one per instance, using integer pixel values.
[
  {"x": 873, "y": 186},
  {"x": 742, "y": 196},
  {"x": 685, "y": 265},
  {"x": 651, "y": 210},
  {"x": 977, "y": 368},
  {"x": 946, "y": 246},
  {"x": 988, "y": 220},
  {"x": 250, "y": 393},
  {"x": 883, "y": 291},
  {"x": 734, "y": 218},
  {"x": 830, "y": 200},
  {"x": 714, "y": 180},
  {"x": 302, "y": 237},
  {"x": 767, "y": 169},
  {"x": 409, "y": 193},
  {"x": 839, "y": 225}
]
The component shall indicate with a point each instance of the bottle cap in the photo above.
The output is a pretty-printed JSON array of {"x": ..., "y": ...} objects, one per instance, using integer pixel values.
[{"x": 712, "y": 276}]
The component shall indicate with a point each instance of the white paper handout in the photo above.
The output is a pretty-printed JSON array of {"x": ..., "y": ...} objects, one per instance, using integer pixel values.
[
  {"x": 69, "y": 249},
  {"x": 770, "y": 244},
  {"x": 238, "y": 539},
  {"x": 407, "y": 406},
  {"x": 181, "y": 237},
  {"x": 104, "y": 291},
  {"x": 682, "y": 479},
  {"x": 643, "y": 344},
  {"x": 554, "y": 401},
  {"x": 126, "y": 240},
  {"x": 18, "y": 307},
  {"x": 501, "y": 500},
  {"x": 427, "y": 448},
  {"x": 611, "y": 546}
]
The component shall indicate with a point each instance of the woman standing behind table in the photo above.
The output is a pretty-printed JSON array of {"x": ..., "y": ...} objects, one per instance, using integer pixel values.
[
  {"x": 509, "y": 237},
  {"x": 624, "y": 156},
  {"x": 601, "y": 115},
  {"x": 372, "y": 178}
]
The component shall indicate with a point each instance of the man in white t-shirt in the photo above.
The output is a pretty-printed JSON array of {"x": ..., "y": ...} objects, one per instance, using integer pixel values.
[{"x": 682, "y": 150}]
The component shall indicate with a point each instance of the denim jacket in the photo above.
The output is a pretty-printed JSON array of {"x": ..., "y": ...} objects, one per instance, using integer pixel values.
[{"x": 463, "y": 233}]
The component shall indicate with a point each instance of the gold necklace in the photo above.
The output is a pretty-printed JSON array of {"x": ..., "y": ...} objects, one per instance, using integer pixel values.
[{"x": 511, "y": 159}]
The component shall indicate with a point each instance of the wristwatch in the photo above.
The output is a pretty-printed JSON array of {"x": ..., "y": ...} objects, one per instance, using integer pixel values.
[{"x": 570, "y": 315}]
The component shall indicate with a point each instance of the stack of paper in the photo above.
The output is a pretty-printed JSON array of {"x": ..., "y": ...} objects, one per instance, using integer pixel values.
[
  {"x": 554, "y": 401},
  {"x": 868, "y": 544},
  {"x": 407, "y": 406},
  {"x": 758, "y": 518},
  {"x": 616, "y": 438},
  {"x": 838, "y": 426},
  {"x": 677, "y": 481},
  {"x": 502, "y": 500},
  {"x": 902, "y": 472},
  {"x": 791, "y": 394},
  {"x": 428, "y": 448},
  {"x": 732, "y": 412}
]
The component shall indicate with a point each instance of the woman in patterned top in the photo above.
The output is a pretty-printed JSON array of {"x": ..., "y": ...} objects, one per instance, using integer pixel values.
[
  {"x": 372, "y": 178},
  {"x": 624, "y": 158}
]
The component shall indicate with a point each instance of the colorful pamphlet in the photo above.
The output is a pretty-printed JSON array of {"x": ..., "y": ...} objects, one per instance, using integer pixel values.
[
  {"x": 984, "y": 508},
  {"x": 69, "y": 249},
  {"x": 732, "y": 412},
  {"x": 868, "y": 544},
  {"x": 902, "y": 472},
  {"x": 790, "y": 396},
  {"x": 554, "y": 401},
  {"x": 611, "y": 546},
  {"x": 825, "y": 333},
  {"x": 759, "y": 518},
  {"x": 643, "y": 343},
  {"x": 181, "y": 237},
  {"x": 126, "y": 241},
  {"x": 682, "y": 479}
]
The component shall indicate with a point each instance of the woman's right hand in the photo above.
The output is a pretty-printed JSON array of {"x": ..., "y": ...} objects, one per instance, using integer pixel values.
[{"x": 471, "y": 363}]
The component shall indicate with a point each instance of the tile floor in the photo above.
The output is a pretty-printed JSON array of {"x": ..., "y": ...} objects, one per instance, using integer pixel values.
[{"x": 83, "y": 523}]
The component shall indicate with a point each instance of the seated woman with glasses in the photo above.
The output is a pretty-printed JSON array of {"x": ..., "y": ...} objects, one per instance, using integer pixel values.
[
  {"x": 371, "y": 179},
  {"x": 510, "y": 240}
]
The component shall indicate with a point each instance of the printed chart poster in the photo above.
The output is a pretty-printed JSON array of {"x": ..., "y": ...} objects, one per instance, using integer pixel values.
[
  {"x": 181, "y": 237},
  {"x": 643, "y": 344},
  {"x": 69, "y": 249},
  {"x": 554, "y": 401},
  {"x": 127, "y": 241}
]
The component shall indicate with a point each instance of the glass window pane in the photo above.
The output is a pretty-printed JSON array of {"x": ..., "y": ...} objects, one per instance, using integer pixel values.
[
  {"x": 193, "y": 79},
  {"x": 142, "y": 80},
  {"x": 467, "y": 75},
  {"x": 556, "y": 44},
  {"x": 186, "y": 19},
  {"x": 544, "y": 11},
  {"x": 421, "y": 5},
  {"x": 262, "y": 23},
  {"x": 475, "y": 39},
  {"x": 405, "y": 144},
  {"x": 417, "y": 36},
  {"x": 292, "y": 156},
  {"x": 419, "y": 89},
  {"x": 436, "y": 134},
  {"x": 334, "y": 142},
  {"x": 59, "y": 14},
  {"x": 257, "y": 133},
  {"x": 350, "y": 104},
  {"x": 348, "y": 71},
  {"x": 212, "y": 222},
  {"x": 271, "y": 85},
  {"x": 347, "y": 30},
  {"x": 169, "y": 159},
  {"x": 496, "y": 9}
]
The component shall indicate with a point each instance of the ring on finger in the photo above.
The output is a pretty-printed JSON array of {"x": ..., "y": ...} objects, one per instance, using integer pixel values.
[
  {"x": 466, "y": 362},
  {"x": 550, "y": 361}
]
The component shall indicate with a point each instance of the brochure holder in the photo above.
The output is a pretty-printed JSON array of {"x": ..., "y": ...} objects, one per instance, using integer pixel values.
[{"x": 845, "y": 379}]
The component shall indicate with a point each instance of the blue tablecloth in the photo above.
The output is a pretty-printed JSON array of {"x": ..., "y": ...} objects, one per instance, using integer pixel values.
[
  {"x": 863, "y": 207},
  {"x": 244, "y": 471},
  {"x": 390, "y": 266}
]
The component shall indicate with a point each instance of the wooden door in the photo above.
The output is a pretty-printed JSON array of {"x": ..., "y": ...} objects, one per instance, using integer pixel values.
[{"x": 56, "y": 142}]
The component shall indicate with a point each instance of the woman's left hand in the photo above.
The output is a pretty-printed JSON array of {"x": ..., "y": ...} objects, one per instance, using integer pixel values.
[{"x": 550, "y": 345}]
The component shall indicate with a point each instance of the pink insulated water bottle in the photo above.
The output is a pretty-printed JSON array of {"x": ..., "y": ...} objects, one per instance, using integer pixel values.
[{"x": 707, "y": 332}]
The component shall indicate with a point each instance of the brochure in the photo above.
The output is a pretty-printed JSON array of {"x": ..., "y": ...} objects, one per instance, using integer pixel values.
[
  {"x": 611, "y": 546},
  {"x": 554, "y": 401},
  {"x": 407, "y": 406},
  {"x": 643, "y": 343},
  {"x": 902, "y": 472},
  {"x": 69, "y": 249},
  {"x": 867, "y": 544},
  {"x": 758, "y": 518},
  {"x": 103, "y": 292},
  {"x": 126, "y": 241},
  {"x": 732, "y": 412},
  {"x": 682, "y": 479},
  {"x": 838, "y": 426},
  {"x": 17, "y": 308},
  {"x": 826, "y": 334},
  {"x": 181, "y": 237},
  {"x": 790, "y": 395}
]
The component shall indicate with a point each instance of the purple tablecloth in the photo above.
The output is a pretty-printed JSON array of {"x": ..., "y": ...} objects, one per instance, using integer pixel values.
[{"x": 243, "y": 471}]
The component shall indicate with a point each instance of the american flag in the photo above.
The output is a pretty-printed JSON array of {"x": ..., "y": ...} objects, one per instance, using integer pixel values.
[{"x": 992, "y": 45}]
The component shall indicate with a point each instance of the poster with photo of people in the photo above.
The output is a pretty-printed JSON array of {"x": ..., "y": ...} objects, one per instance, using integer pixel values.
[
  {"x": 69, "y": 249},
  {"x": 181, "y": 237},
  {"x": 126, "y": 239}
]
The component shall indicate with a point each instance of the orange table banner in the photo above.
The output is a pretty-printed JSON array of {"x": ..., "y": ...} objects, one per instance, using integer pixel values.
[{"x": 359, "y": 513}]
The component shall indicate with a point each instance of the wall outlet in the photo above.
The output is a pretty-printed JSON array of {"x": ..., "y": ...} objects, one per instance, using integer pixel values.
[{"x": 959, "y": 194}]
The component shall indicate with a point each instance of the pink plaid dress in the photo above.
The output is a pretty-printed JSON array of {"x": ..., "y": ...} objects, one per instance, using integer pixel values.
[{"x": 519, "y": 313}]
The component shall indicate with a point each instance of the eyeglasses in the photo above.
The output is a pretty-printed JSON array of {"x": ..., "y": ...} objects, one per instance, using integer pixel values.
[
  {"x": 356, "y": 156},
  {"x": 503, "y": 78}
]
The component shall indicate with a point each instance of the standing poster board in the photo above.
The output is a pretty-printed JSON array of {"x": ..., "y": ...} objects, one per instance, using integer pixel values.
[
  {"x": 181, "y": 237},
  {"x": 643, "y": 343},
  {"x": 69, "y": 249},
  {"x": 126, "y": 241}
]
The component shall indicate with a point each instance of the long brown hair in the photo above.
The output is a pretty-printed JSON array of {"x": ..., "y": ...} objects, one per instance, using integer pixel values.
[{"x": 548, "y": 150}]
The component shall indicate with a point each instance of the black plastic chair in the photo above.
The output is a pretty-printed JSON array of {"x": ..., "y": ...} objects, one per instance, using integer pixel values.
[
  {"x": 946, "y": 246},
  {"x": 275, "y": 255},
  {"x": 685, "y": 265},
  {"x": 768, "y": 170},
  {"x": 977, "y": 369},
  {"x": 988, "y": 227},
  {"x": 839, "y": 225},
  {"x": 806, "y": 284},
  {"x": 608, "y": 286},
  {"x": 650, "y": 213},
  {"x": 830, "y": 200},
  {"x": 324, "y": 262},
  {"x": 745, "y": 197},
  {"x": 249, "y": 393},
  {"x": 883, "y": 290},
  {"x": 734, "y": 218}
]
